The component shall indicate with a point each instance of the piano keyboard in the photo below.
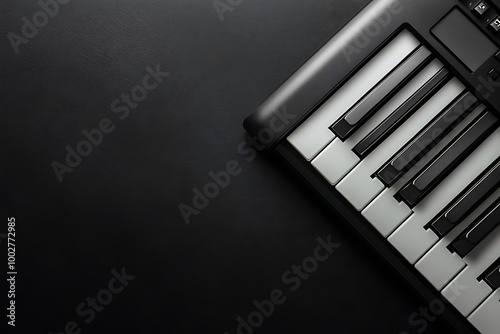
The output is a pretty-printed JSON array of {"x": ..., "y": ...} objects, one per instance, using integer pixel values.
[
  {"x": 417, "y": 155},
  {"x": 438, "y": 142}
]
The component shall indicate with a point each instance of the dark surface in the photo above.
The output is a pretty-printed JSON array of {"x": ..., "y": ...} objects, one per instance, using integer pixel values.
[{"x": 119, "y": 207}]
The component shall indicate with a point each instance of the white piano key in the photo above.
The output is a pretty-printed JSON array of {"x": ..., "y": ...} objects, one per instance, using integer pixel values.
[
  {"x": 377, "y": 211},
  {"x": 439, "y": 265},
  {"x": 314, "y": 134},
  {"x": 385, "y": 213},
  {"x": 486, "y": 318},
  {"x": 411, "y": 239},
  {"x": 337, "y": 159},
  {"x": 358, "y": 187},
  {"x": 473, "y": 292}
]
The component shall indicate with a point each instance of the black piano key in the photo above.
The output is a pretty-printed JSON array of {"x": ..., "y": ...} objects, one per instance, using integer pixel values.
[
  {"x": 450, "y": 158},
  {"x": 382, "y": 93},
  {"x": 478, "y": 231},
  {"x": 474, "y": 195},
  {"x": 492, "y": 275},
  {"x": 391, "y": 123},
  {"x": 404, "y": 160}
]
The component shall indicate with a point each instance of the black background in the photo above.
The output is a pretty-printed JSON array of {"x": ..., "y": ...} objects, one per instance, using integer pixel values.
[{"x": 119, "y": 208}]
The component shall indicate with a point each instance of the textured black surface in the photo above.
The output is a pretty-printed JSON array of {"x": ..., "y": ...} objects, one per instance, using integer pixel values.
[{"x": 119, "y": 207}]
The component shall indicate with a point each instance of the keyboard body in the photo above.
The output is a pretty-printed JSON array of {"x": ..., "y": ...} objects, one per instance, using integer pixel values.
[{"x": 381, "y": 84}]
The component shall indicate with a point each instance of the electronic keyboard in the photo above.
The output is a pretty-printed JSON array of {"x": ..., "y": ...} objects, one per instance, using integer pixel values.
[{"x": 395, "y": 125}]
